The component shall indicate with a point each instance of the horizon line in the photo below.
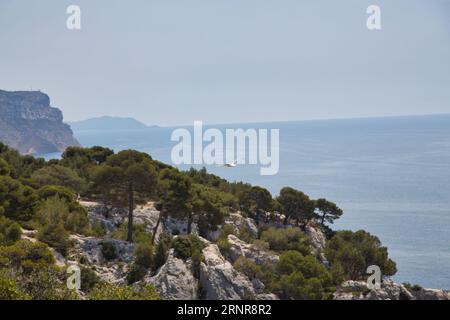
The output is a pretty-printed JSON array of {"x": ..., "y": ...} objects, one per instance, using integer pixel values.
[{"x": 150, "y": 126}]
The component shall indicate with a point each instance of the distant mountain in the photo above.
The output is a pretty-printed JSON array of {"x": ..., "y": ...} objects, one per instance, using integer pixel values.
[
  {"x": 30, "y": 125},
  {"x": 108, "y": 123}
]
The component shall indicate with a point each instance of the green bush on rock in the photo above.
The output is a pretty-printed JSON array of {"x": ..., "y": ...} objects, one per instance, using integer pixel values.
[{"x": 353, "y": 252}]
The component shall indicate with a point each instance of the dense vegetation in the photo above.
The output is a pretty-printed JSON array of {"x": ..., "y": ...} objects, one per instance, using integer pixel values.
[{"x": 43, "y": 196}]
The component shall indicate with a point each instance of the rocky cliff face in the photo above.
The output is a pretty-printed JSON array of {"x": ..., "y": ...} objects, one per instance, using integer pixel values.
[{"x": 29, "y": 124}]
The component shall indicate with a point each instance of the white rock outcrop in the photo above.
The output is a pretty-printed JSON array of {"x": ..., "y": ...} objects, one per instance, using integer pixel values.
[
  {"x": 318, "y": 242},
  {"x": 88, "y": 251},
  {"x": 242, "y": 223},
  {"x": 220, "y": 281},
  {"x": 239, "y": 248},
  {"x": 431, "y": 294},
  {"x": 389, "y": 290},
  {"x": 175, "y": 279}
]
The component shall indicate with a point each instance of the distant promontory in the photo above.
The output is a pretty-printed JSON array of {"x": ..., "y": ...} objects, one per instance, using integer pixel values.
[
  {"x": 106, "y": 123},
  {"x": 29, "y": 124}
]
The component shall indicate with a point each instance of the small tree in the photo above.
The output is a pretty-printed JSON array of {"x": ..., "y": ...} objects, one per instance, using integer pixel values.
[
  {"x": 208, "y": 208},
  {"x": 296, "y": 205},
  {"x": 124, "y": 179},
  {"x": 178, "y": 195},
  {"x": 257, "y": 200},
  {"x": 51, "y": 216},
  {"x": 327, "y": 211}
]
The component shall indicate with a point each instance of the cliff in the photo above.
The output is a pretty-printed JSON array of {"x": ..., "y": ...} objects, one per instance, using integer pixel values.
[{"x": 29, "y": 124}]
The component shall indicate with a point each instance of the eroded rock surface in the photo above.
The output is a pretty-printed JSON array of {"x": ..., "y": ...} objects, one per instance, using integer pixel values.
[
  {"x": 318, "y": 242},
  {"x": 220, "y": 281},
  {"x": 239, "y": 248},
  {"x": 87, "y": 251},
  {"x": 389, "y": 290},
  {"x": 175, "y": 279}
]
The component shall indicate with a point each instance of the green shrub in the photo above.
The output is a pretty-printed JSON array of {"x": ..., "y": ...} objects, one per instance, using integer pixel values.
[
  {"x": 77, "y": 222},
  {"x": 47, "y": 284},
  {"x": 222, "y": 240},
  {"x": 353, "y": 252},
  {"x": 89, "y": 279},
  {"x": 55, "y": 221},
  {"x": 140, "y": 233},
  {"x": 226, "y": 231},
  {"x": 5, "y": 169},
  {"x": 17, "y": 202},
  {"x": 48, "y": 192},
  {"x": 301, "y": 278},
  {"x": 295, "y": 287},
  {"x": 144, "y": 255},
  {"x": 185, "y": 246},
  {"x": 55, "y": 236},
  {"x": 98, "y": 230},
  {"x": 43, "y": 283},
  {"x": 105, "y": 291},
  {"x": 26, "y": 256},
  {"x": 58, "y": 175},
  {"x": 224, "y": 245},
  {"x": 136, "y": 273},
  {"x": 9, "y": 289},
  {"x": 10, "y": 232},
  {"x": 109, "y": 251},
  {"x": 162, "y": 251},
  {"x": 287, "y": 239},
  {"x": 182, "y": 247},
  {"x": 261, "y": 245},
  {"x": 249, "y": 268}
]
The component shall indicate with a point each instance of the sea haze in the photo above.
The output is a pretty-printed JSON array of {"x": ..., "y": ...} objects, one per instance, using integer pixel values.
[{"x": 390, "y": 175}]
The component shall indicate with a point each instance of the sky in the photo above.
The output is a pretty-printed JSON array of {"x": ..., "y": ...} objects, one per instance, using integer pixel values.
[{"x": 170, "y": 62}]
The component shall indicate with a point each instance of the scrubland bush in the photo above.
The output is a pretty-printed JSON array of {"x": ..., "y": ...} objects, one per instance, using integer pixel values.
[
  {"x": 353, "y": 252},
  {"x": 287, "y": 239},
  {"x": 106, "y": 291},
  {"x": 109, "y": 251}
]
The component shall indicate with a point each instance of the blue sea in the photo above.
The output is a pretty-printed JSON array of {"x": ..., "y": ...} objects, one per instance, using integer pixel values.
[{"x": 391, "y": 176}]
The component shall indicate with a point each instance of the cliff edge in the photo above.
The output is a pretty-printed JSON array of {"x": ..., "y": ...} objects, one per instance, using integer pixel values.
[{"x": 29, "y": 124}]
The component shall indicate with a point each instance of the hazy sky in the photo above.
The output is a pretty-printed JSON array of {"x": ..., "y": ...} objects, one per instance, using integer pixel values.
[{"x": 172, "y": 62}]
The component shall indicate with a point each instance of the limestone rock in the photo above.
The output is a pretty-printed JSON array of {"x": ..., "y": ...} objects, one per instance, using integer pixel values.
[
  {"x": 318, "y": 242},
  {"x": 29, "y": 124},
  {"x": 110, "y": 218},
  {"x": 242, "y": 223},
  {"x": 220, "y": 281},
  {"x": 175, "y": 279},
  {"x": 358, "y": 290},
  {"x": 239, "y": 248},
  {"x": 88, "y": 251}
]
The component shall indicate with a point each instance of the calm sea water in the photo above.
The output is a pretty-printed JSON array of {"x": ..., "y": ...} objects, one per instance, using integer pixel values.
[{"x": 391, "y": 176}]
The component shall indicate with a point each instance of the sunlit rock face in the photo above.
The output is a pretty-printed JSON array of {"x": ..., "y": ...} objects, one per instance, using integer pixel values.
[{"x": 29, "y": 124}]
